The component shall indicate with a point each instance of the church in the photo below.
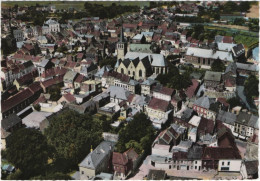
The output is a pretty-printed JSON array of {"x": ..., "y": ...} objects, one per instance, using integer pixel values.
[{"x": 136, "y": 64}]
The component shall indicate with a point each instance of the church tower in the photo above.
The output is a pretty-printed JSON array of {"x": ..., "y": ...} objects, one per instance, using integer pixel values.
[{"x": 121, "y": 46}]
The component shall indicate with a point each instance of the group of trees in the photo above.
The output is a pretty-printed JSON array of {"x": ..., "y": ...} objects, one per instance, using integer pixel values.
[
  {"x": 251, "y": 87},
  {"x": 28, "y": 150},
  {"x": 55, "y": 92},
  {"x": 36, "y": 17},
  {"x": 253, "y": 24},
  {"x": 57, "y": 151},
  {"x": 107, "y": 61},
  {"x": 218, "y": 66},
  {"x": 72, "y": 134},
  {"x": 112, "y": 11},
  {"x": 174, "y": 79},
  {"x": 232, "y": 6},
  {"x": 138, "y": 134}
]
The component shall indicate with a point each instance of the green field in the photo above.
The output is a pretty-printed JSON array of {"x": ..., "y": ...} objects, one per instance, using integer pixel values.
[{"x": 79, "y": 5}]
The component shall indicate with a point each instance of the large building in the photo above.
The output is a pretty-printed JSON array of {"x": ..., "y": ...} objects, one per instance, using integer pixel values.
[
  {"x": 50, "y": 26},
  {"x": 205, "y": 57},
  {"x": 137, "y": 64}
]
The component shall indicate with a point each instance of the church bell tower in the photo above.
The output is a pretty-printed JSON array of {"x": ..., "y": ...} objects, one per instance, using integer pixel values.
[{"x": 121, "y": 46}]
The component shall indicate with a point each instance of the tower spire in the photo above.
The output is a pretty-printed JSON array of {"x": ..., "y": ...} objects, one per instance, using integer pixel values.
[{"x": 122, "y": 39}]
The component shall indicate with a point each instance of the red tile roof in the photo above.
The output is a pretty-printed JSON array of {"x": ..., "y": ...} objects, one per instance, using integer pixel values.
[
  {"x": 131, "y": 154},
  {"x": 69, "y": 97},
  {"x": 223, "y": 100},
  {"x": 190, "y": 91},
  {"x": 206, "y": 126},
  {"x": 167, "y": 91},
  {"x": 119, "y": 158},
  {"x": 217, "y": 153},
  {"x": 179, "y": 155},
  {"x": 35, "y": 87},
  {"x": 79, "y": 78},
  {"x": 15, "y": 100},
  {"x": 41, "y": 99},
  {"x": 227, "y": 39},
  {"x": 25, "y": 79},
  {"x": 158, "y": 104}
]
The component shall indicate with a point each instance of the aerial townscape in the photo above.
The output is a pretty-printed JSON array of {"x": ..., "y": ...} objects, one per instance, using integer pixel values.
[{"x": 143, "y": 90}]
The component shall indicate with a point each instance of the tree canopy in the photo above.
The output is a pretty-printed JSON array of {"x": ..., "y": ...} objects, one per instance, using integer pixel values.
[
  {"x": 138, "y": 134},
  {"x": 72, "y": 135},
  {"x": 174, "y": 79},
  {"x": 28, "y": 150},
  {"x": 218, "y": 66},
  {"x": 251, "y": 87}
]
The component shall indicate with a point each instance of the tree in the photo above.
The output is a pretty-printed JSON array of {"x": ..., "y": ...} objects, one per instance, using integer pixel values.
[
  {"x": 28, "y": 150},
  {"x": 218, "y": 66},
  {"x": 251, "y": 87},
  {"x": 233, "y": 102},
  {"x": 55, "y": 93},
  {"x": 107, "y": 61},
  {"x": 132, "y": 135},
  {"x": 244, "y": 6},
  {"x": 72, "y": 134}
]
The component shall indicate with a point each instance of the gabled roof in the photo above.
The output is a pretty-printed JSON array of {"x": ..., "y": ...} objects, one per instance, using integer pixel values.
[
  {"x": 95, "y": 158},
  {"x": 213, "y": 76},
  {"x": 227, "y": 117},
  {"x": 119, "y": 158},
  {"x": 208, "y": 53},
  {"x": 159, "y": 104},
  {"x": 204, "y": 102},
  {"x": 10, "y": 121},
  {"x": 218, "y": 153},
  {"x": 15, "y": 100}
]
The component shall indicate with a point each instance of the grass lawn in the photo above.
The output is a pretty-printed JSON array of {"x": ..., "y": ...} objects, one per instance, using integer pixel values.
[{"x": 246, "y": 40}]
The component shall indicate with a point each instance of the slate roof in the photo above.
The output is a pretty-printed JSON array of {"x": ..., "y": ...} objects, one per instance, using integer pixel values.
[
  {"x": 204, "y": 102},
  {"x": 195, "y": 152},
  {"x": 251, "y": 167},
  {"x": 225, "y": 46},
  {"x": 10, "y": 121},
  {"x": 155, "y": 59},
  {"x": 247, "y": 119},
  {"x": 249, "y": 67},
  {"x": 44, "y": 63},
  {"x": 95, "y": 158},
  {"x": 118, "y": 92},
  {"x": 70, "y": 76},
  {"x": 213, "y": 76},
  {"x": 208, "y": 53},
  {"x": 238, "y": 50},
  {"x": 232, "y": 67},
  {"x": 227, "y": 117}
]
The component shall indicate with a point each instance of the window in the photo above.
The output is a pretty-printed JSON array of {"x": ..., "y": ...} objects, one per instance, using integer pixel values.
[
  {"x": 195, "y": 162},
  {"x": 122, "y": 70},
  {"x": 228, "y": 163},
  {"x": 128, "y": 72},
  {"x": 222, "y": 163},
  {"x": 196, "y": 167},
  {"x": 140, "y": 73}
]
